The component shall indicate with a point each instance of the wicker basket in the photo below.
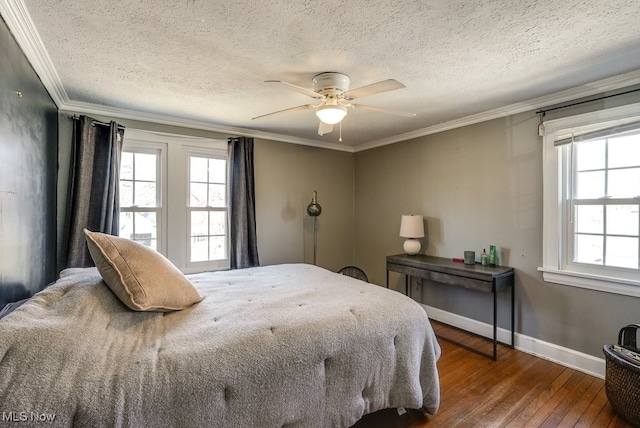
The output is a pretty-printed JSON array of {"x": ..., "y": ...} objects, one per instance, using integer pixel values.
[{"x": 622, "y": 385}]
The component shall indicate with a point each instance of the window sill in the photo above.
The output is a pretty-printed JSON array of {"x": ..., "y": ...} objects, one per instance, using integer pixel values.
[{"x": 591, "y": 282}]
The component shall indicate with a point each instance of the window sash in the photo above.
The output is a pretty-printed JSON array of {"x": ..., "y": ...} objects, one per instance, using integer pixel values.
[
  {"x": 208, "y": 236},
  {"x": 157, "y": 152}
]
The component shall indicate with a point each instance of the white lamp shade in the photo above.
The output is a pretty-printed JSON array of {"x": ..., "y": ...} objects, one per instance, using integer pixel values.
[
  {"x": 331, "y": 114},
  {"x": 412, "y": 226}
]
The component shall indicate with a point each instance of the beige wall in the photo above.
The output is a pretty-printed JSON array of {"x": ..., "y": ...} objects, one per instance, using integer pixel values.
[
  {"x": 286, "y": 176},
  {"x": 479, "y": 185}
]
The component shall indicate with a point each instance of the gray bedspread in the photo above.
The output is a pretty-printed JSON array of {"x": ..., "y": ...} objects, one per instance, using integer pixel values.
[{"x": 277, "y": 346}]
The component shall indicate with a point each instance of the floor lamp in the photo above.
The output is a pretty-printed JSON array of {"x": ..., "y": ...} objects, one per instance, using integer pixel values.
[{"x": 314, "y": 210}]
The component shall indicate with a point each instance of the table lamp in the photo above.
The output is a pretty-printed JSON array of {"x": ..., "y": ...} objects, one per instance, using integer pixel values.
[{"x": 412, "y": 227}]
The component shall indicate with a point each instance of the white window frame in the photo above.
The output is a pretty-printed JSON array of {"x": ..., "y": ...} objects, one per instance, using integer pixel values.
[
  {"x": 556, "y": 267},
  {"x": 173, "y": 236},
  {"x": 217, "y": 264}
]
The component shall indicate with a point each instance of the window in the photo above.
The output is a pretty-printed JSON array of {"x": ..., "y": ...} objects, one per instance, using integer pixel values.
[
  {"x": 592, "y": 201},
  {"x": 207, "y": 208},
  {"x": 173, "y": 198}
]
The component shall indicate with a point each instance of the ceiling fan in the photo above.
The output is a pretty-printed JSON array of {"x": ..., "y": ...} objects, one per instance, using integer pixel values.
[{"x": 334, "y": 98}]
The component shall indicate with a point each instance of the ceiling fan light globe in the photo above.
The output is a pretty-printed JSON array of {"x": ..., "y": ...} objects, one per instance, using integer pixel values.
[{"x": 331, "y": 114}]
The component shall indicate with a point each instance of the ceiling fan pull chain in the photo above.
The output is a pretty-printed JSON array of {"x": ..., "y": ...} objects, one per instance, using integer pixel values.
[{"x": 340, "y": 139}]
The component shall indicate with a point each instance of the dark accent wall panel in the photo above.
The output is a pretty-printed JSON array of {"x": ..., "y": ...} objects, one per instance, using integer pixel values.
[{"x": 28, "y": 171}]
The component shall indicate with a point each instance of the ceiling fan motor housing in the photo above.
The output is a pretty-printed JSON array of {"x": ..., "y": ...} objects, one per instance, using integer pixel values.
[{"x": 331, "y": 84}]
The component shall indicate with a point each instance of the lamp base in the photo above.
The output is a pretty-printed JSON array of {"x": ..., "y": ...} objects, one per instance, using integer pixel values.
[{"x": 411, "y": 246}]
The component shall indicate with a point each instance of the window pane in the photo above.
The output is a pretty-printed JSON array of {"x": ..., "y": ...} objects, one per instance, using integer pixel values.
[
  {"x": 199, "y": 249},
  {"x": 624, "y": 151},
  {"x": 588, "y": 249},
  {"x": 126, "y": 225},
  {"x": 199, "y": 223},
  {"x": 217, "y": 171},
  {"x": 198, "y": 170},
  {"x": 208, "y": 235},
  {"x": 140, "y": 227},
  {"x": 622, "y": 252},
  {"x": 146, "y": 195},
  {"x": 218, "y": 220},
  {"x": 217, "y": 247},
  {"x": 590, "y": 185},
  {"x": 126, "y": 193},
  {"x": 198, "y": 197},
  {"x": 590, "y": 155},
  {"x": 217, "y": 196},
  {"x": 589, "y": 219},
  {"x": 145, "y": 167},
  {"x": 622, "y": 220},
  {"x": 624, "y": 183},
  {"x": 126, "y": 166},
  {"x": 145, "y": 229}
]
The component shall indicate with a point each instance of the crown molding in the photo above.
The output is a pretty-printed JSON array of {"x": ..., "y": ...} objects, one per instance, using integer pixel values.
[
  {"x": 19, "y": 22},
  {"x": 594, "y": 88}
]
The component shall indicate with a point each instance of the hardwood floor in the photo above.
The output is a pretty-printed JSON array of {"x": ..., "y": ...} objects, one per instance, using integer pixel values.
[{"x": 518, "y": 390}]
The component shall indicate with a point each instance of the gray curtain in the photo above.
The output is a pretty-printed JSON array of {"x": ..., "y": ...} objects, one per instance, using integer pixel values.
[
  {"x": 243, "y": 250},
  {"x": 93, "y": 199}
]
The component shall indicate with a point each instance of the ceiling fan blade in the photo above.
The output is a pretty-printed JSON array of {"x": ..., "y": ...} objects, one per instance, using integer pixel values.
[
  {"x": 374, "y": 88},
  {"x": 384, "y": 110},
  {"x": 300, "y": 89},
  {"x": 324, "y": 128},
  {"x": 304, "y": 107}
]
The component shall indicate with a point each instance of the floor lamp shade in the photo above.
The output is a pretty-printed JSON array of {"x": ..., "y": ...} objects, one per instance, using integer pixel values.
[{"x": 412, "y": 227}]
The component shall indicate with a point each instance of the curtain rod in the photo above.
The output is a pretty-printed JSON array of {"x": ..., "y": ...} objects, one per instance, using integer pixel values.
[
  {"x": 96, "y": 122},
  {"x": 543, "y": 111}
]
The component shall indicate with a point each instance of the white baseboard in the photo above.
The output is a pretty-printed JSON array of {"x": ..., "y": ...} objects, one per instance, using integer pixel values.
[{"x": 567, "y": 357}]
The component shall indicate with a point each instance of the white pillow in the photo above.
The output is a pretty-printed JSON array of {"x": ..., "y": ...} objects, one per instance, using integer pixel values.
[{"x": 142, "y": 278}]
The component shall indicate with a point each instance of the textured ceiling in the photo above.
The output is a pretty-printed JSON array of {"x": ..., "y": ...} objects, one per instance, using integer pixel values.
[{"x": 206, "y": 61}]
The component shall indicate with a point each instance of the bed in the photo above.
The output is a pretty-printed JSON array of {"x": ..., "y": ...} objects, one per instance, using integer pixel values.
[{"x": 277, "y": 346}]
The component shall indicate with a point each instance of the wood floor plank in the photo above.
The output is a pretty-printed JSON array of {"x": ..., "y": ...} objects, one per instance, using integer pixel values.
[
  {"x": 546, "y": 393},
  {"x": 593, "y": 410},
  {"x": 571, "y": 395},
  {"x": 484, "y": 386},
  {"x": 465, "y": 390},
  {"x": 582, "y": 403},
  {"x": 520, "y": 392}
]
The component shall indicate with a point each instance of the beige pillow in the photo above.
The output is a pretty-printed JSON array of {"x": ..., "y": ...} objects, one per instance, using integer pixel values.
[{"x": 142, "y": 278}]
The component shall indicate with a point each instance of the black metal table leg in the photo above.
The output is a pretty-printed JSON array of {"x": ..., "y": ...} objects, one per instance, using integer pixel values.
[
  {"x": 513, "y": 317},
  {"x": 495, "y": 325}
]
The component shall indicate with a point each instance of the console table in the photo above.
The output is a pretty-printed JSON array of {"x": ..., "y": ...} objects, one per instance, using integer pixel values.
[{"x": 473, "y": 277}]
